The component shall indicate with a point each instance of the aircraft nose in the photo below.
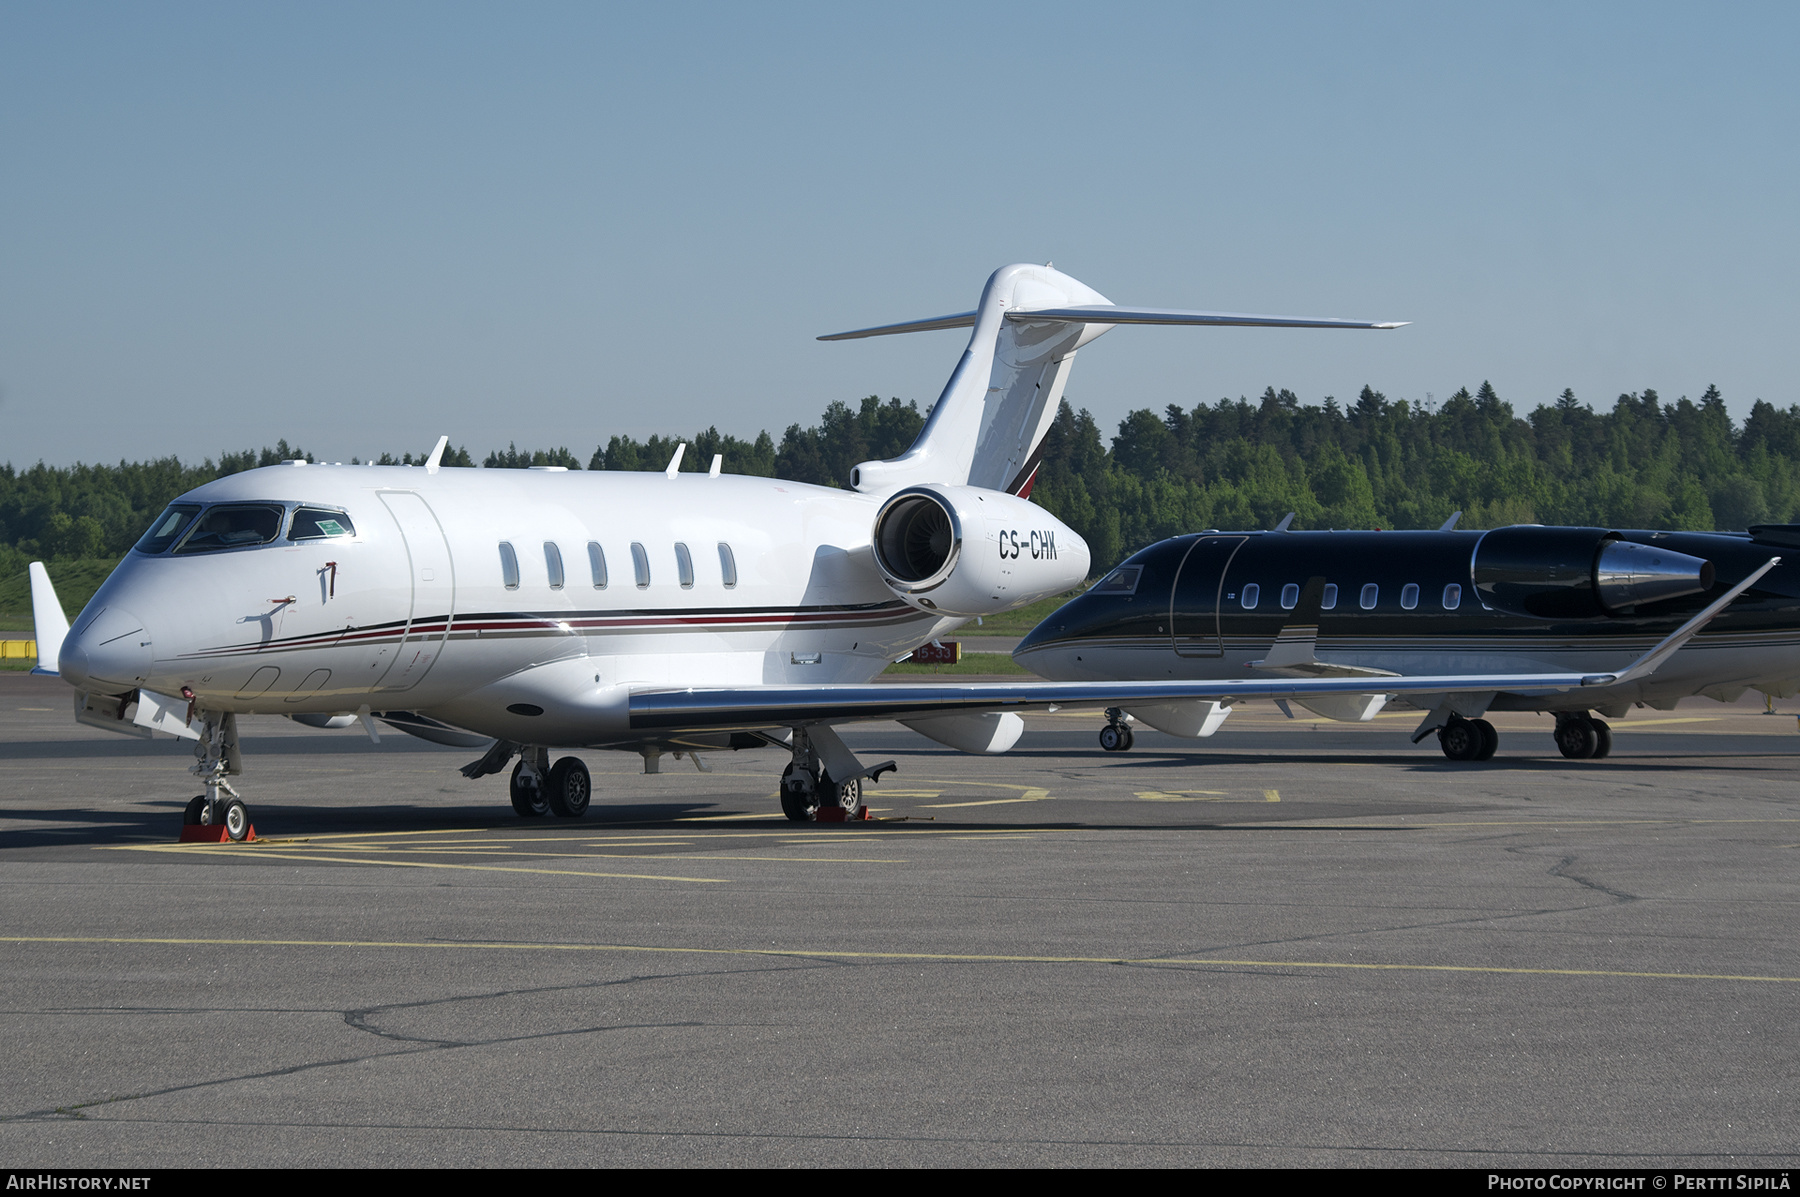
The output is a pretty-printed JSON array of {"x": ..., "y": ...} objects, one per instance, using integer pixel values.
[{"x": 110, "y": 650}]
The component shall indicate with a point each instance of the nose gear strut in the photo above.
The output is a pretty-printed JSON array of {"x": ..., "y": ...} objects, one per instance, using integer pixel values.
[{"x": 216, "y": 758}]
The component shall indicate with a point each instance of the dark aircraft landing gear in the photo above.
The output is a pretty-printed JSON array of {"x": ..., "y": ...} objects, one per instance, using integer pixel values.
[
  {"x": 1116, "y": 735},
  {"x": 1468, "y": 739},
  {"x": 527, "y": 790},
  {"x": 1581, "y": 737},
  {"x": 804, "y": 794}
]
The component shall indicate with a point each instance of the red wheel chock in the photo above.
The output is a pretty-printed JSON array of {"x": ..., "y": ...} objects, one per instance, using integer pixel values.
[{"x": 211, "y": 833}]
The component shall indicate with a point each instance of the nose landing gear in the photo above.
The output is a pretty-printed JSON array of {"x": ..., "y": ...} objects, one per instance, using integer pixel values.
[{"x": 216, "y": 758}]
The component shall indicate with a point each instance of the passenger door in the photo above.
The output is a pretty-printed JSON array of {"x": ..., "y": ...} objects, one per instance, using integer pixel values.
[
  {"x": 433, "y": 590},
  {"x": 1194, "y": 599}
]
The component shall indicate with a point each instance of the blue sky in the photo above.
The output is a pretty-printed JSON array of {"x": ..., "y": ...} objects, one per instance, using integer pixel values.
[{"x": 357, "y": 226}]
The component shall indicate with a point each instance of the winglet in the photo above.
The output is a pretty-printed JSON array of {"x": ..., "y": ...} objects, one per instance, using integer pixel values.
[
  {"x": 675, "y": 461},
  {"x": 1648, "y": 663},
  {"x": 52, "y": 626},
  {"x": 437, "y": 455}
]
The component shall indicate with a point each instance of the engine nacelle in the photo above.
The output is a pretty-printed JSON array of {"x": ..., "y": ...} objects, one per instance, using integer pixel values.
[
  {"x": 1580, "y": 573},
  {"x": 962, "y": 550}
]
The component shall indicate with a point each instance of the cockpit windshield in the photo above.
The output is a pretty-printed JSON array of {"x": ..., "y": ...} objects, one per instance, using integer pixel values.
[
  {"x": 168, "y": 528},
  {"x": 232, "y": 526}
]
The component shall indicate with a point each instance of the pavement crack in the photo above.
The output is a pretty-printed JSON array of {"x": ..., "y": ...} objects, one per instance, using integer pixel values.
[{"x": 1564, "y": 870}]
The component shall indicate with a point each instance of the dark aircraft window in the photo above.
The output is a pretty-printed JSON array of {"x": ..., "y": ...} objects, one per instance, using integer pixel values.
[
  {"x": 1329, "y": 602},
  {"x": 1370, "y": 593},
  {"x": 232, "y": 528},
  {"x": 1409, "y": 595},
  {"x": 315, "y": 523},
  {"x": 1252, "y": 592},
  {"x": 1290, "y": 594},
  {"x": 168, "y": 526},
  {"x": 684, "y": 566},
  {"x": 1452, "y": 597},
  {"x": 727, "y": 565},
  {"x": 553, "y": 564},
  {"x": 509, "y": 566},
  {"x": 640, "y": 565},
  {"x": 597, "y": 563},
  {"x": 1123, "y": 580}
]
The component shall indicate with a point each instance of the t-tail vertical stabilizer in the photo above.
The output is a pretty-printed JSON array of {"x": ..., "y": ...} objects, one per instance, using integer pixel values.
[{"x": 987, "y": 428}]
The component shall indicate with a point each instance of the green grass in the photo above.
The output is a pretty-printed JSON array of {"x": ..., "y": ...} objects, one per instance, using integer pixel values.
[
  {"x": 75, "y": 583},
  {"x": 1015, "y": 623},
  {"x": 972, "y": 665}
]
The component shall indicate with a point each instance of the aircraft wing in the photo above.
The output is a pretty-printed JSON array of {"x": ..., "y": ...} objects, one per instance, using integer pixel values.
[{"x": 752, "y": 708}]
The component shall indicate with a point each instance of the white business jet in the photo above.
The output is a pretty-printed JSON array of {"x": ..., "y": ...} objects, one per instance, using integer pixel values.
[{"x": 659, "y": 613}]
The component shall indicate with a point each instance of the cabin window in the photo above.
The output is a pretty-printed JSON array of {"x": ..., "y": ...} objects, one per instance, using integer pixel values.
[
  {"x": 727, "y": 565},
  {"x": 1290, "y": 594},
  {"x": 684, "y": 566},
  {"x": 1370, "y": 593},
  {"x": 1409, "y": 595},
  {"x": 509, "y": 566},
  {"x": 553, "y": 564},
  {"x": 168, "y": 528},
  {"x": 1252, "y": 592},
  {"x": 597, "y": 563},
  {"x": 315, "y": 523},
  {"x": 640, "y": 565},
  {"x": 1452, "y": 597},
  {"x": 1329, "y": 601},
  {"x": 1123, "y": 580},
  {"x": 232, "y": 527}
]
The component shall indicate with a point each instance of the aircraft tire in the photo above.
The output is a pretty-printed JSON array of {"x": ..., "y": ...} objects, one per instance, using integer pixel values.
[
  {"x": 528, "y": 800},
  {"x": 1461, "y": 740},
  {"x": 195, "y": 808},
  {"x": 1603, "y": 738},
  {"x": 1577, "y": 738},
  {"x": 849, "y": 794},
  {"x": 570, "y": 788},
  {"x": 236, "y": 819},
  {"x": 1115, "y": 737},
  {"x": 1490, "y": 740}
]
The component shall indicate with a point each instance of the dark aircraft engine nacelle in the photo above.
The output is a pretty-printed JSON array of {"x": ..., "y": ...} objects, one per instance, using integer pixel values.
[
  {"x": 961, "y": 550},
  {"x": 1580, "y": 573}
]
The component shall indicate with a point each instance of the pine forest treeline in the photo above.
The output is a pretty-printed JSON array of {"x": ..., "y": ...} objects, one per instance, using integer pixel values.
[{"x": 1235, "y": 464}]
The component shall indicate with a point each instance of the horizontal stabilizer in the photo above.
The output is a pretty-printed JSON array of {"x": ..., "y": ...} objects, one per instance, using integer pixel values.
[
  {"x": 960, "y": 320},
  {"x": 1114, "y": 314}
]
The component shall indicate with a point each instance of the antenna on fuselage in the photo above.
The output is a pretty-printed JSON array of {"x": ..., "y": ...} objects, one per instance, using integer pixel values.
[
  {"x": 717, "y": 465},
  {"x": 437, "y": 455},
  {"x": 1285, "y": 521},
  {"x": 675, "y": 461},
  {"x": 1450, "y": 523}
]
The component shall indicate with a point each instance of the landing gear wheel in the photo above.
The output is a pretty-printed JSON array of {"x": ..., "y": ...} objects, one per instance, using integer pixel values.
[
  {"x": 799, "y": 795},
  {"x": 527, "y": 796},
  {"x": 1115, "y": 737},
  {"x": 849, "y": 795},
  {"x": 1603, "y": 735},
  {"x": 236, "y": 819},
  {"x": 570, "y": 788},
  {"x": 1578, "y": 738},
  {"x": 1490, "y": 739},
  {"x": 195, "y": 813},
  {"x": 1461, "y": 740}
]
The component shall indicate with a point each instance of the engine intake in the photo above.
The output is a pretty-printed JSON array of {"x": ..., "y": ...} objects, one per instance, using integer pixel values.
[
  {"x": 966, "y": 550},
  {"x": 1580, "y": 573}
]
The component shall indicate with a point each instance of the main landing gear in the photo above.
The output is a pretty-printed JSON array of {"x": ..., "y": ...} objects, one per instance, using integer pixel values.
[
  {"x": 811, "y": 789},
  {"x": 216, "y": 758},
  {"x": 1468, "y": 739},
  {"x": 539, "y": 789},
  {"x": 1581, "y": 737},
  {"x": 1116, "y": 735}
]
